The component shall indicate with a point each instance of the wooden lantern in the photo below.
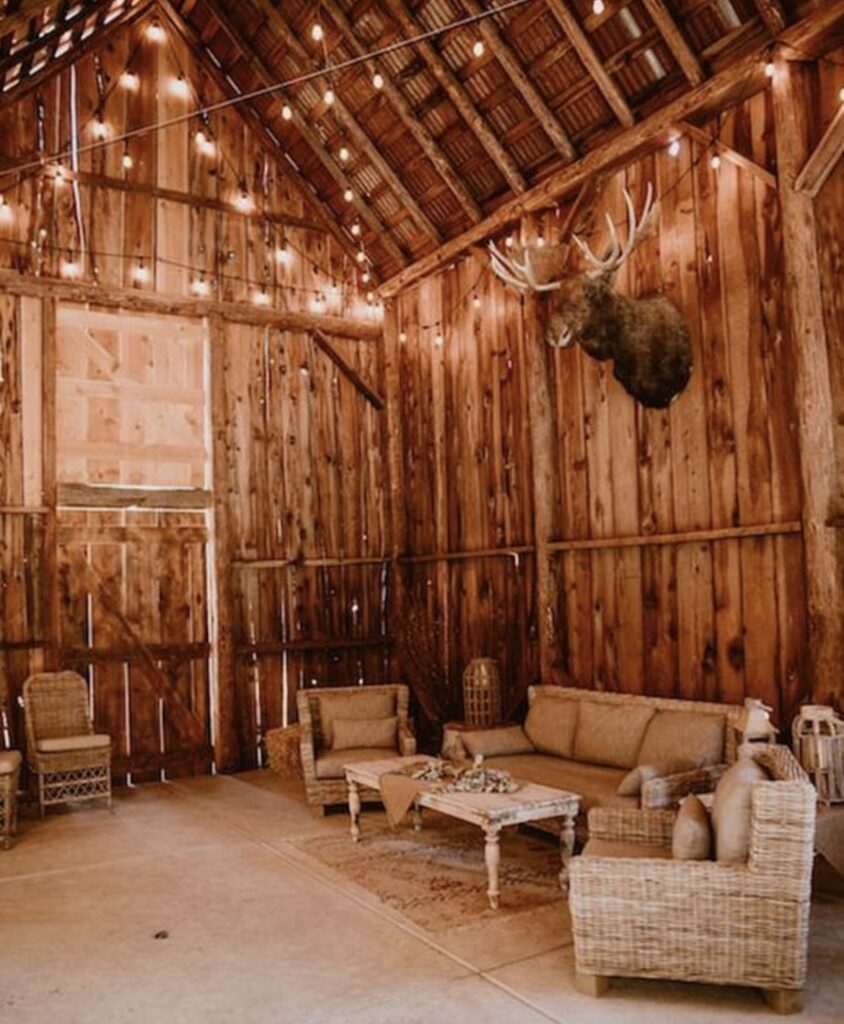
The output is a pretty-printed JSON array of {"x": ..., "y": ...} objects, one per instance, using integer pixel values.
[
  {"x": 482, "y": 692},
  {"x": 818, "y": 737}
]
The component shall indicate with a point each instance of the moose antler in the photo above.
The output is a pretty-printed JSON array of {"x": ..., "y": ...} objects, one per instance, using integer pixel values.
[
  {"x": 519, "y": 275},
  {"x": 616, "y": 252}
]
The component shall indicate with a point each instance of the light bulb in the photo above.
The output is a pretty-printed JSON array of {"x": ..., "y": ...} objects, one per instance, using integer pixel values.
[
  {"x": 769, "y": 69},
  {"x": 356, "y": 229},
  {"x": 438, "y": 339},
  {"x": 674, "y": 147},
  {"x": 140, "y": 274},
  {"x": 282, "y": 255},
  {"x": 344, "y": 154},
  {"x": 127, "y": 161},
  {"x": 70, "y": 268},
  {"x": 317, "y": 32},
  {"x": 715, "y": 162},
  {"x": 348, "y": 195},
  {"x": 598, "y": 6},
  {"x": 200, "y": 138},
  {"x": 365, "y": 277},
  {"x": 260, "y": 297},
  {"x": 402, "y": 337},
  {"x": 378, "y": 80},
  {"x": 200, "y": 286},
  {"x": 155, "y": 33},
  {"x": 360, "y": 256},
  {"x": 476, "y": 302},
  {"x": 243, "y": 201},
  {"x": 508, "y": 242},
  {"x": 5, "y": 210},
  {"x": 540, "y": 241},
  {"x": 370, "y": 296},
  {"x": 286, "y": 112},
  {"x": 478, "y": 48},
  {"x": 99, "y": 129},
  {"x": 60, "y": 175},
  {"x": 328, "y": 97},
  {"x": 129, "y": 80},
  {"x": 179, "y": 87}
]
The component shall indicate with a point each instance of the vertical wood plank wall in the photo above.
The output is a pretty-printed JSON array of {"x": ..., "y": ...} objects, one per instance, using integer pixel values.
[{"x": 362, "y": 543}]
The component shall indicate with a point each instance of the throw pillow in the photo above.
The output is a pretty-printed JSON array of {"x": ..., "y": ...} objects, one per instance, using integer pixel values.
[
  {"x": 610, "y": 734},
  {"x": 345, "y": 703},
  {"x": 692, "y": 837},
  {"x": 697, "y": 735},
  {"x": 350, "y": 733},
  {"x": 731, "y": 809},
  {"x": 550, "y": 725},
  {"x": 497, "y": 742},
  {"x": 631, "y": 784}
]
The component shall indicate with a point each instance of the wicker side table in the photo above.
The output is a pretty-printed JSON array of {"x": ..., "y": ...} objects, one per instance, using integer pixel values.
[{"x": 10, "y": 768}]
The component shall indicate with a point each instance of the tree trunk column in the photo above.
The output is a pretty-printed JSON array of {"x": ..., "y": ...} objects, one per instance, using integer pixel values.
[{"x": 792, "y": 114}]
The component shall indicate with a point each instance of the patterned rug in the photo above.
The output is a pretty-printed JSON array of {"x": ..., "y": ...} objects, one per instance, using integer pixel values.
[{"x": 437, "y": 877}]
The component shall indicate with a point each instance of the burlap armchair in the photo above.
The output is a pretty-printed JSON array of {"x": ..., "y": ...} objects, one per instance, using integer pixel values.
[
  {"x": 727, "y": 923},
  {"x": 322, "y": 766}
]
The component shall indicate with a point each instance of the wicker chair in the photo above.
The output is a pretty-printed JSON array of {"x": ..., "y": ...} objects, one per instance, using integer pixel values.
[
  {"x": 10, "y": 770},
  {"x": 741, "y": 924},
  {"x": 71, "y": 761},
  {"x": 325, "y": 782}
]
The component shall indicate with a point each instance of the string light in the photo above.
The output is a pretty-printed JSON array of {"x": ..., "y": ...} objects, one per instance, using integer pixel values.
[
  {"x": 286, "y": 112},
  {"x": 476, "y": 302},
  {"x": 508, "y": 242},
  {"x": 356, "y": 229},
  {"x": 378, "y": 80},
  {"x": 360, "y": 256},
  {"x": 60, "y": 176},
  {"x": 540, "y": 241},
  {"x": 140, "y": 274},
  {"x": 127, "y": 160},
  {"x": 155, "y": 33},
  {"x": 203, "y": 143},
  {"x": 344, "y": 154},
  {"x": 317, "y": 32},
  {"x": 282, "y": 255},
  {"x": 318, "y": 303},
  {"x": 328, "y": 97},
  {"x": 129, "y": 80},
  {"x": 348, "y": 195},
  {"x": 674, "y": 147},
  {"x": 438, "y": 339},
  {"x": 69, "y": 267},
  {"x": 179, "y": 87},
  {"x": 365, "y": 277},
  {"x": 243, "y": 201},
  {"x": 769, "y": 69},
  {"x": 199, "y": 286},
  {"x": 260, "y": 296},
  {"x": 598, "y": 6},
  {"x": 100, "y": 128},
  {"x": 402, "y": 337},
  {"x": 478, "y": 48},
  {"x": 370, "y": 297},
  {"x": 715, "y": 161},
  {"x": 5, "y": 210}
]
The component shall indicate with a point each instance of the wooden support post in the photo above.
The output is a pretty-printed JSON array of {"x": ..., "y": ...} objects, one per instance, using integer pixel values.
[
  {"x": 792, "y": 116},
  {"x": 50, "y": 576},
  {"x": 227, "y": 753},
  {"x": 395, "y": 469}
]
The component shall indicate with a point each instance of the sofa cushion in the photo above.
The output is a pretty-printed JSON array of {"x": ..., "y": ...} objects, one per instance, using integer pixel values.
[
  {"x": 632, "y": 783},
  {"x": 364, "y": 732},
  {"x": 695, "y": 735},
  {"x": 550, "y": 725},
  {"x": 611, "y": 734},
  {"x": 10, "y": 761},
  {"x": 620, "y": 848},
  {"x": 497, "y": 742},
  {"x": 692, "y": 837},
  {"x": 595, "y": 784},
  {"x": 731, "y": 809},
  {"x": 357, "y": 704},
  {"x": 63, "y": 744},
  {"x": 330, "y": 764}
]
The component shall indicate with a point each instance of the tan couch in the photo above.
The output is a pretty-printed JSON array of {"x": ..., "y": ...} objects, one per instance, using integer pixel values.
[{"x": 587, "y": 741}]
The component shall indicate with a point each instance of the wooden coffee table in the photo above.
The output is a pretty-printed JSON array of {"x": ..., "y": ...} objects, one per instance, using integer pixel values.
[{"x": 491, "y": 812}]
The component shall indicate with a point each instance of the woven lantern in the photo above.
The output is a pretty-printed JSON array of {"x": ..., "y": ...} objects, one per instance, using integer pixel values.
[
  {"x": 482, "y": 692},
  {"x": 818, "y": 737}
]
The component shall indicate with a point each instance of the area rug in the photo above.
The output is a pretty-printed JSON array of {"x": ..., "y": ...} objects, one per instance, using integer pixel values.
[{"x": 437, "y": 877}]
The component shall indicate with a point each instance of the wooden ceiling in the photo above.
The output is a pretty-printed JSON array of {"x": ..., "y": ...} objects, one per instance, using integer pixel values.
[{"x": 453, "y": 133}]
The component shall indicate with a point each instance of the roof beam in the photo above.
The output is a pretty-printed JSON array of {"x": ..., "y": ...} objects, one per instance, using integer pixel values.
[
  {"x": 407, "y": 115},
  {"x": 59, "y": 28},
  {"x": 675, "y": 40},
  {"x": 516, "y": 73},
  {"x": 818, "y": 33},
  {"x": 446, "y": 78},
  {"x": 283, "y": 28},
  {"x": 264, "y": 76},
  {"x": 251, "y": 117},
  {"x": 591, "y": 61},
  {"x": 772, "y": 15},
  {"x": 13, "y": 24},
  {"x": 823, "y": 159}
]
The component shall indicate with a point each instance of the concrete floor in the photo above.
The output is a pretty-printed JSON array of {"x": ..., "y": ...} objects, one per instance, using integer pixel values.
[{"x": 250, "y": 930}]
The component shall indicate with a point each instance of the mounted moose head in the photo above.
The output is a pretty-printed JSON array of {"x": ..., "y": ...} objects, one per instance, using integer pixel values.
[{"x": 646, "y": 338}]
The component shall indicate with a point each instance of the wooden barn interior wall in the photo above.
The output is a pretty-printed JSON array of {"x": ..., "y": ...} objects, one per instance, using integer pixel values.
[{"x": 394, "y": 510}]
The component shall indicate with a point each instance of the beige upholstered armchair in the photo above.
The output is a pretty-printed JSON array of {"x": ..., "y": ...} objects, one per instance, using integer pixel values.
[
  {"x": 638, "y": 913},
  {"x": 349, "y": 723},
  {"x": 70, "y": 760}
]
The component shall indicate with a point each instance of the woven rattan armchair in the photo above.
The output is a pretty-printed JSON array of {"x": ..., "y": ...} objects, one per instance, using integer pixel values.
[
  {"x": 70, "y": 761},
  {"x": 325, "y": 782},
  {"x": 727, "y": 923},
  {"x": 10, "y": 770}
]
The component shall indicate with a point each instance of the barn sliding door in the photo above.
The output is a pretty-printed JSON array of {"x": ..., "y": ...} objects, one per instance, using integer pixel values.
[{"x": 132, "y": 532}]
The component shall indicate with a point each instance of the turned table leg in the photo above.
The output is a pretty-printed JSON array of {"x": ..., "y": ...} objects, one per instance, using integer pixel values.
[
  {"x": 354, "y": 809},
  {"x": 417, "y": 816},
  {"x": 566, "y": 850},
  {"x": 492, "y": 855}
]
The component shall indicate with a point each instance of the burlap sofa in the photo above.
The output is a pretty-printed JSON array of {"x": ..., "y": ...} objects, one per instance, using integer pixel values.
[{"x": 587, "y": 741}]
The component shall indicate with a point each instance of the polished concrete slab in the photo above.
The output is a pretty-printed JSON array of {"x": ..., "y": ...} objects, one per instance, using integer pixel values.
[{"x": 190, "y": 902}]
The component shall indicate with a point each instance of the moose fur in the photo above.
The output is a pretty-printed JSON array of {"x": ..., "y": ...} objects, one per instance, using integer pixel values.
[{"x": 646, "y": 338}]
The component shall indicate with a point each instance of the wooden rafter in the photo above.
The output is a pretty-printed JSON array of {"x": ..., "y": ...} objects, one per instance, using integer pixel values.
[
  {"x": 459, "y": 97},
  {"x": 591, "y": 61},
  {"x": 15, "y": 24},
  {"x": 675, "y": 40},
  {"x": 546, "y": 117},
  {"x": 188, "y": 34},
  {"x": 80, "y": 47},
  {"x": 823, "y": 159},
  {"x": 407, "y": 115},
  {"x": 772, "y": 14},
  {"x": 265, "y": 76},
  {"x": 815, "y": 34},
  {"x": 282, "y": 27},
  {"x": 49, "y": 40}
]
